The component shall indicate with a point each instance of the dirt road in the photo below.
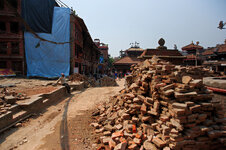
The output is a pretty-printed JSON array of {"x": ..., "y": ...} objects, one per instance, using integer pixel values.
[
  {"x": 62, "y": 126},
  {"x": 28, "y": 86}
]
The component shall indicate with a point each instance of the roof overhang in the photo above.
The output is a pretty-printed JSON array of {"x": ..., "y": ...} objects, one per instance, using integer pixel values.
[{"x": 159, "y": 56}]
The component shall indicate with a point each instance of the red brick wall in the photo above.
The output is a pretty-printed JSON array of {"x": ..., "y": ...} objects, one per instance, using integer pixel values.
[
  {"x": 8, "y": 16},
  {"x": 76, "y": 44},
  {"x": 105, "y": 53}
]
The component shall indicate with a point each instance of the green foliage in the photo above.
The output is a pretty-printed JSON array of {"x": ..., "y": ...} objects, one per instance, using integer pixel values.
[{"x": 110, "y": 61}]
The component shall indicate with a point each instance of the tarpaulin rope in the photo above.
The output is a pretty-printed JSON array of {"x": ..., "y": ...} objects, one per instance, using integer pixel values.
[{"x": 32, "y": 31}]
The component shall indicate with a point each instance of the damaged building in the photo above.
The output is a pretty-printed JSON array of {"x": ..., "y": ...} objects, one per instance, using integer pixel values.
[
  {"x": 11, "y": 37},
  {"x": 18, "y": 53}
]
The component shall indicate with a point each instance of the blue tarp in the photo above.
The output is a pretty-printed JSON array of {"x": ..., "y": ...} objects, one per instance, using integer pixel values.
[
  {"x": 49, "y": 60},
  {"x": 38, "y": 14}
]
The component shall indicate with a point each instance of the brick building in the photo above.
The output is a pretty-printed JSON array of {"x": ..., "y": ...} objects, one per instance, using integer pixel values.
[
  {"x": 215, "y": 58},
  {"x": 11, "y": 37},
  {"x": 84, "y": 52},
  {"x": 76, "y": 56},
  {"x": 103, "y": 62}
]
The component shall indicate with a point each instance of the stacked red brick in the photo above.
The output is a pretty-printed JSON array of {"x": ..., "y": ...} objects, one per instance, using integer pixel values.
[{"x": 162, "y": 108}]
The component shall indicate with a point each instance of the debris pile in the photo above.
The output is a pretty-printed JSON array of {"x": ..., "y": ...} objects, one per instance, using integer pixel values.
[
  {"x": 76, "y": 77},
  {"x": 91, "y": 82},
  {"x": 107, "y": 81},
  {"x": 8, "y": 98},
  {"x": 162, "y": 107},
  {"x": 88, "y": 81},
  {"x": 198, "y": 72}
]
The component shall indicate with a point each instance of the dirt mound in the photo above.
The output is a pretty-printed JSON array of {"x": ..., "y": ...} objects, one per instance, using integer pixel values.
[{"x": 162, "y": 107}]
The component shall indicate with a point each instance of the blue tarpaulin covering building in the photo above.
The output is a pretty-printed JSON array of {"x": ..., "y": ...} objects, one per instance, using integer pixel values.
[
  {"x": 38, "y": 14},
  {"x": 48, "y": 59}
]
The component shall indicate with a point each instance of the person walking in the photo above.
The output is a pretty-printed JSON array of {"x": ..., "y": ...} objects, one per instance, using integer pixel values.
[
  {"x": 63, "y": 82},
  {"x": 116, "y": 75}
]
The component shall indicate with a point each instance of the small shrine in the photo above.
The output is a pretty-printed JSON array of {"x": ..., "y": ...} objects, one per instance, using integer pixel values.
[{"x": 192, "y": 54}]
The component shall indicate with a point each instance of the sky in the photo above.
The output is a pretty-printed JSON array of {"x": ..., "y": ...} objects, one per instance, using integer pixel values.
[{"x": 121, "y": 22}]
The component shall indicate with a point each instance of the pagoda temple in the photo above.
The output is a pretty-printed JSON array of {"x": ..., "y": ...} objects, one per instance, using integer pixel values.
[
  {"x": 215, "y": 58},
  {"x": 173, "y": 56},
  {"x": 192, "y": 54},
  {"x": 128, "y": 58}
]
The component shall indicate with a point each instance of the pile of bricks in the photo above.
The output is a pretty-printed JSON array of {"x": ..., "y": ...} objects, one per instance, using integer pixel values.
[
  {"x": 107, "y": 81},
  {"x": 88, "y": 81},
  {"x": 8, "y": 98},
  {"x": 198, "y": 72},
  {"x": 91, "y": 82},
  {"x": 77, "y": 77},
  {"x": 161, "y": 107}
]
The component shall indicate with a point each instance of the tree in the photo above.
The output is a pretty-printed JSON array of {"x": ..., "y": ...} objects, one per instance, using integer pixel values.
[{"x": 110, "y": 61}]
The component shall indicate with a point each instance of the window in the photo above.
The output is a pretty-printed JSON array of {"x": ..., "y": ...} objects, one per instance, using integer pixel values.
[
  {"x": 17, "y": 66},
  {"x": 76, "y": 50},
  {"x": 1, "y": 4},
  {"x": 15, "y": 48},
  {"x": 76, "y": 35},
  {"x": 14, "y": 27},
  {"x": 13, "y": 3},
  {"x": 75, "y": 32},
  {"x": 3, "y": 65},
  {"x": 3, "y": 48},
  {"x": 2, "y": 27}
]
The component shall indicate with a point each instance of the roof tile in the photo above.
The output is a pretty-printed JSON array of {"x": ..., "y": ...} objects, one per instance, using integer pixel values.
[
  {"x": 222, "y": 48},
  {"x": 128, "y": 60},
  {"x": 192, "y": 46},
  {"x": 150, "y": 52}
]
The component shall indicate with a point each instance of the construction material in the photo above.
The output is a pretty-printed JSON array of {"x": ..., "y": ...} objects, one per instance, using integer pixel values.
[
  {"x": 162, "y": 107},
  {"x": 8, "y": 98},
  {"x": 107, "y": 81},
  {"x": 88, "y": 81},
  {"x": 77, "y": 77},
  {"x": 91, "y": 82}
]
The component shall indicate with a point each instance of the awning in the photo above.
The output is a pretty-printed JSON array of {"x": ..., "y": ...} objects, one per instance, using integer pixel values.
[{"x": 7, "y": 73}]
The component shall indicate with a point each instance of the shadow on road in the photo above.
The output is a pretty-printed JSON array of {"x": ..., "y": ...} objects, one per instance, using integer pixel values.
[{"x": 64, "y": 141}]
